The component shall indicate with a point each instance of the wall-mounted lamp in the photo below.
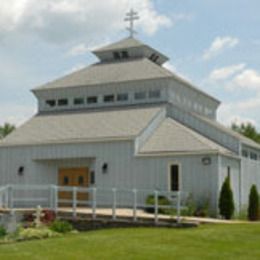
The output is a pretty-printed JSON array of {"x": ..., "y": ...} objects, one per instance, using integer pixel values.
[
  {"x": 206, "y": 160},
  {"x": 20, "y": 171},
  {"x": 105, "y": 168}
]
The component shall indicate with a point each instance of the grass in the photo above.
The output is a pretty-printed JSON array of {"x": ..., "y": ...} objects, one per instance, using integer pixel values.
[{"x": 206, "y": 242}]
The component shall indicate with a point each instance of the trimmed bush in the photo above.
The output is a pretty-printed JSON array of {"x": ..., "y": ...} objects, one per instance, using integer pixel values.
[
  {"x": 2, "y": 232},
  {"x": 162, "y": 201},
  {"x": 226, "y": 201},
  {"x": 253, "y": 208},
  {"x": 61, "y": 226}
]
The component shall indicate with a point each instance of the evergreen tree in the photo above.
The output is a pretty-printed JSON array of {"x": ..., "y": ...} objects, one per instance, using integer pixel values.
[
  {"x": 226, "y": 201},
  {"x": 6, "y": 129},
  {"x": 253, "y": 208},
  {"x": 248, "y": 130}
]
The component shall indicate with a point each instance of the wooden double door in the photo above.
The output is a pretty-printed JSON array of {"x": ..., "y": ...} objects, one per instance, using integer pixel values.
[{"x": 73, "y": 177}]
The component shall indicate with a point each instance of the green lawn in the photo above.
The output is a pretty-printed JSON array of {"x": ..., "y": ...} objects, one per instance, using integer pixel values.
[{"x": 206, "y": 242}]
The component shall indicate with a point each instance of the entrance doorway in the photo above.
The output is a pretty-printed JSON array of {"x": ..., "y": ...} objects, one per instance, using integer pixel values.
[{"x": 73, "y": 177}]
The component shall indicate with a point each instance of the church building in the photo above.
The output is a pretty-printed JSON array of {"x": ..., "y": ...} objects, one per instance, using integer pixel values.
[{"x": 128, "y": 122}]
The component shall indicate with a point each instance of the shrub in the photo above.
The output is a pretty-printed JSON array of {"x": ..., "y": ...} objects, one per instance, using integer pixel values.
[
  {"x": 190, "y": 206},
  {"x": 202, "y": 209},
  {"x": 162, "y": 201},
  {"x": 2, "y": 232},
  {"x": 35, "y": 233},
  {"x": 48, "y": 216},
  {"x": 226, "y": 201},
  {"x": 253, "y": 208},
  {"x": 61, "y": 226},
  {"x": 28, "y": 217}
]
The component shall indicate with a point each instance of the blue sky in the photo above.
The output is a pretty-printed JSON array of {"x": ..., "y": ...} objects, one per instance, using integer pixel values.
[{"x": 213, "y": 43}]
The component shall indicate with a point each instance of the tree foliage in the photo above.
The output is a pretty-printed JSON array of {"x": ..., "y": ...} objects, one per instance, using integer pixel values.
[
  {"x": 6, "y": 129},
  {"x": 226, "y": 201},
  {"x": 247, "y": 130},
  {"x": 253, "y": 208}
]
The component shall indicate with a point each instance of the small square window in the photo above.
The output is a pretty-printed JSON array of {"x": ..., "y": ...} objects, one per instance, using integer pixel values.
[
  {"x": 155, "y": 94},
  {"x": 79, "y": 101},
  {"x": 116, "y": 55},
  {"x": 109, "y": 98},
  {"x": 253, "y": 156},
  {"x": 245, "y": 153},
  {"x": 154, "y": 57},
  {"x": 140, "y": 95},
  {"x": 122, "y": 97},
  {"x": 63, "y": 102},
  {"x": 92, "y": 100},
  {"x": 125, "y": 55},
  {"x": 51, "y": 103}
]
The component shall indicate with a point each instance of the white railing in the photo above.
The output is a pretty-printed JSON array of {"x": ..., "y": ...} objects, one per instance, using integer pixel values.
[{"x": 133, "y": 200}]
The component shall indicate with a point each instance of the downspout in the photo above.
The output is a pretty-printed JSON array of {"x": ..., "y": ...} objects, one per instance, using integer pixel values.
[
  {"x": 240, "y": 177},
  {"x": 218, "y": 182}
]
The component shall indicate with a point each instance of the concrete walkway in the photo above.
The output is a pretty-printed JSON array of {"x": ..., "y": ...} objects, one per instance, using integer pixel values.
[{"x": 128, "y": 213}]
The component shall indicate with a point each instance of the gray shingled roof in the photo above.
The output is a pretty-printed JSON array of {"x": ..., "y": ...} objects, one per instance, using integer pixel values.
[
  {"x": 105, "y": 73},
  {"x": 81, "y": 127},
  {"x": 123, "y": 44},
  {"x": 174, "y": 137}
]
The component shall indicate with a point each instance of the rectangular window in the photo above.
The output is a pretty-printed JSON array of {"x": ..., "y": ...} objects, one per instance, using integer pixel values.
[
  {"x": 116, "y": 55},
  {"x": 109, "y": 98},
  {"x": 125, "y": 55},
  {"x": 63, "y": 102},
  {"x": 253, "y": 156},
  {"x": 174, "y": 178},
  {"x": 122, "y": 97},
  {"x": 154, "y": 57},
  {"x": 140, "y": 95},
  {"x": 92, "y": 177},
  {"x": 78, "y": 101},
  {"x": 154, "y": 94},
  {"x": 245, "y": 153},
  {"x": 92, "y": 100},
  {"x": 51, "y": 103}
]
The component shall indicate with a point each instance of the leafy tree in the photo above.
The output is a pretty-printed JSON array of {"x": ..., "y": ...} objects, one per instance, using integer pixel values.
[
  {"x": 226, "y": 201},
  {"x": 253, "y": 208},
  {"x": 6, "y": 129},
  {"x": 247, "y": 130}
]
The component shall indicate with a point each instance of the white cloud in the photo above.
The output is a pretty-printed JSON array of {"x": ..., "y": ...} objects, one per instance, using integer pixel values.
[
  {"x": 226, "y": 72},
  {"x": 83, "y": 48},
  {"x": 247, "y": 79},
  {"x": 219, "y": 45},
  {"x": 61, "y": 21},
  {"x": 243, "y": 86},
  {"x": 236, "y": 77},
  {"x": 236, "y": 113}
]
